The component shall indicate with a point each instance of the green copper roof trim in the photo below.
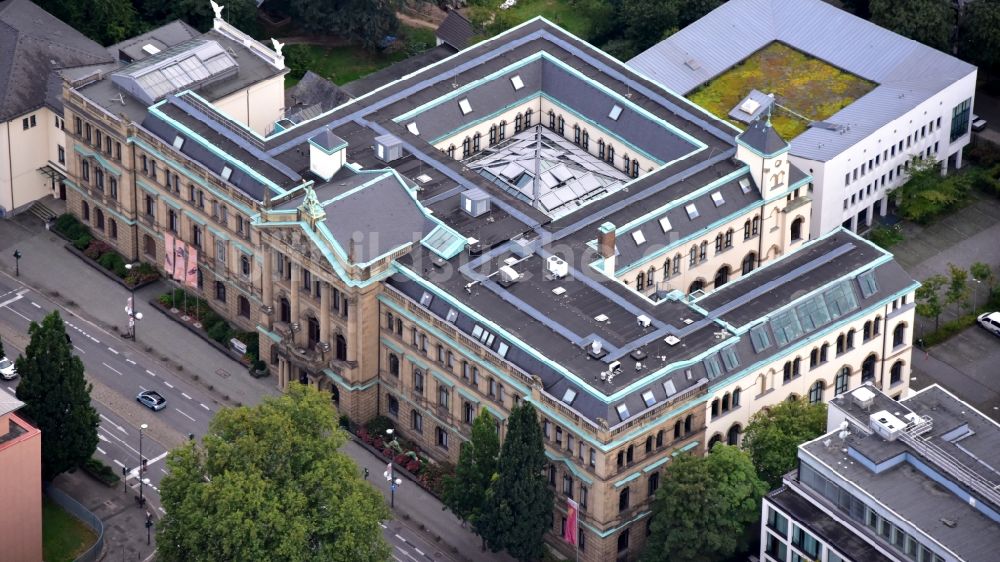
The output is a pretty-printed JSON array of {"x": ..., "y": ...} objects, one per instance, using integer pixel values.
[
  {"x": 193, "y": 217},
  {"x": 468, "y": 395},
  {"x": 329, "y": 151},
  {"x": 218, "y": 233},
  {"x": 99, "y": 157},
  {"x": 271, "y": 335},
  {"x": 657, "y": 464},
  {"x": 569, "y": 464},
  {"x": 343, "y": 382},
  {"x": 615, "y": 529},
  {"x": 627, "y": 479},
  {"x": 109, "y": 210},
  {"x": 685, "y": 448},
  {"x": 442, "y": 379},
  {"x": 391, "y": 345},
  {"x": 237, "y": 122}
]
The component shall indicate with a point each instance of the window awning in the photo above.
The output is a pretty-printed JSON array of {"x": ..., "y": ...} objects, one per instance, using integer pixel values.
[{"x": 52, "y": 173}]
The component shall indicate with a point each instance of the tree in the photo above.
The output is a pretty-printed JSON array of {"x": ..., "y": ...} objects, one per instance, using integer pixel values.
[
  {"x": 519, "y": 503},
  {"x": 57, "y": 397},
  {"x": 269, "y": 483},
  {"x": 368, "y": 21},
  {"x": 104, "y": 21},
  {"x": 2, "y": 354},
  {"x": 926, "y": 194},
  {"x": 773, "y": 436},
  {"x": 928, "y": 21},
  {"x": 979, "y": 33},
  {"x": 981, "y": 272},
  {"x": 198, "y": 13},
  {"x": 928, "y": 297},
  {"x": 648, "y": 21},
  {"x": 465, "y": 492},
  {"x": 958, "y": 287},
  {"x": 703, "y": 507}
]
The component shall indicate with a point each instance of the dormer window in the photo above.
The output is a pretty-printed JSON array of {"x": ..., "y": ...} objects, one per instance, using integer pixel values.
[
  {"x": 616, "y": 112},
  {"x": 465, "y": 106},
  {"x": 639, "y": 237},
  {"x": 226, "y": 172},
  {"x": 717, "y": 199},
  {"x": 692, "y": 211},
  {"x": 665, "y": 224},
  {"x": 516, "y": 82},
  {"x": 178, "y": 142}
]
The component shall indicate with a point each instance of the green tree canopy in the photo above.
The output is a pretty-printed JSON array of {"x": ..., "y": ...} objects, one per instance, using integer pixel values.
[
  {"x": 703, "y": 507},
  {"x": 980, "y": 33},
  {"x": 465, "y": 491},
  {"x": 104, "y": 21},
  {"x": 57, "y": 397},
  {"x": 519, "y": 503},
  {"x": 368, "y": 21},
  {"x": 772, "y": 437},
  {"x": 927, "y": 21},
  {"x": 958, "y": 287},
  {"x": 928, "y": 296},
  {"x": 269, "y": 483},
  {"x": 926, "y": 194}
]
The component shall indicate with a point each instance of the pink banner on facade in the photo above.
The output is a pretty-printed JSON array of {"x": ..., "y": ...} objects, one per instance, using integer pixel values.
[
  {"x": 179, "y": 272},
  {"x": 191, "y": 271},
  {"x": 570, "y": 532},
  {"x": 168, "y": 253}
]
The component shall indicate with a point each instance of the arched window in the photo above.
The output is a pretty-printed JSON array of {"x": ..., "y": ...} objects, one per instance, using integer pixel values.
[
  {"x": 577, "y": 136},
  {"x": 746, "y": 230},
  {"x": 284, "y": 310},
  {"x": 755, "y": 226},
  {"x": 518, "y": 120},
  {"x": 898, "y": 333},
  {"x": 503, "y": 130},
  {"x": 552, "y": 120},
  {"x": 650, "y": 274},
  {"x": 476, "y": 142},
  {"x": 843, "y": 381},
  {"x": 725, "y": 402},
  {"x": 629, "y": 456},
  {"x": 654, "y": 483},
  {"x": 623, "y": 499},
  {"x": 749, "y": 262},
  {"x": 736, "y": 398},
  {"x": 113, "y": 229},
  {"x": 722, "y": 276},
  {"x": 868, "y": 368},
  {"x": 86, "y": 211},
  {"x": 877, "y": 326},
  {"x": 797, "y": 228},
  {"x": 718, "y": 243},
  {"x": 451, "y": 151},
  {"x": 149, "y": 245},
  {"x": 466, "y": 147},
  {"x": 611, "y": 154},
  {"x": 585, "y": 143},
  {"x": 99, "y": 214},
  {"x": 840, "y": 344},
  {"x": 640, "y": 281},
  {"x": 715, "y": 408},
  {"x": 600, "y": 149},
  {"x": 244, "y": 306},
  {"x": 527, "y": 117},
  {"x": 635, "y": 168},
  {"x": 666, "y": 268},
  {"x": 816, "y": 392},
  {"x": 824, "y": 351},
  {"x": 693, "y": 256},
  {"x": 626, "y": 163},
  {"x": 896, "y": 373},
  {"x": 687, "y": 424},
  {"x": 677, "y": 263},
  {"x": 729, "y": 238},
  {"x": 733, "y": 435},
  {"x": 866, "y": 331},
  {"x": 677, "y": 430},
  {"x": 703, "y": 254},
  {"x": 850, "y": 339},
  {"x": 393, "y": 365},
  {"x": 493, "y": 135},
  {"x": 787, "y": 374},
  {"x": 649, "y": 444},
  {"x": 814, "y": 358},
  {"x": 659, "y": 438},
  {"x": 717, "y": 438},
  {"x": 696, "y": 285},
  {"x": 562, "y": 125},
  {"x": 341, "y": 351},
  {"x": 313, "y": 331}
]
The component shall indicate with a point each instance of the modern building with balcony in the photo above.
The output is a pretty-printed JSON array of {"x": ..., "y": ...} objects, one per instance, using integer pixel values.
[
  {"x": 527, "y": 219},
  {"x": 905, "y": 480}
]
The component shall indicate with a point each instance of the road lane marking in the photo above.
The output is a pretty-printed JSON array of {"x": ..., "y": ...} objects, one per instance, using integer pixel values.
[
  {"x": 166, "y": 383},
  {"x": 19, "y": 314},
  {"x": 164, "y": 471},
  {"x": 102, "y": 451},
  {"x": 113, "y": 370},
  {"x": 204, "y": 406},
  {"x": 382, "y": 525},
  {"x": 103, "y": 438},
  {"x": 184, "y": 394},
  {"x": 119, "y": 463},
  {"x": 80, "y": 350},
  {"x": 35, "y": 304},
  {"x": 112, "y": 350},
  {"x": 150, "y": 373},
  {"x": 11, "y": 389},
  {"x": 144, "y": 389},
  {"x": 407, "y": 554},
  {"x": 129, "y": 361},
  {"x": 10, "y": 301},
  {"x": 185, "y": 415},
  {"x": 120, "y": 440},
  {"x": 118, "y": 427},
  {"x": 95, "y": 340},
  {"x": 420, "y": 552},
  {"x": 400, "y": 538}
]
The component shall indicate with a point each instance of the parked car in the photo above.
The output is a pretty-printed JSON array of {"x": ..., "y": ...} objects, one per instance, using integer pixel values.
[
  {"x": 990, "y": 321},
  {"x": 978, "y": 124},
  {"x": 152, "y": 400},
  {"x": 7, "y": 370}
]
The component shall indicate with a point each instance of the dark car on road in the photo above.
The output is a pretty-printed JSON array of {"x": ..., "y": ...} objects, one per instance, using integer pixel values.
[{"x": 152, "y": 400}]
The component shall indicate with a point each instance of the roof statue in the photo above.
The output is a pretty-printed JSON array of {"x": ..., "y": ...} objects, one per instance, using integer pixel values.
[
  {"x": 311, "y": 208},
  {"x": 278, "y": 45},
  {"x": 217, "y": 9}
]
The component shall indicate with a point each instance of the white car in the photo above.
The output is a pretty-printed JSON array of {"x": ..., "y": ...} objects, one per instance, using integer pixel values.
[
  {"x": 990, "y": 321},
  {"x": 978, "y": 124},
  {"x": 7, "y": 370}
]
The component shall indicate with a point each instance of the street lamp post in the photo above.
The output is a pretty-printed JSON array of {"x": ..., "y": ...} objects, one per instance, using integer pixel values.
[
  {"x": 17, "y": 263},
  {"x": 390, "y": 476},
  {"x": 975, "y": 294},
  {"x": 142, "y": 465},
  {"x": 149, "y": 525},
  {"x": 133, "y": 316}
]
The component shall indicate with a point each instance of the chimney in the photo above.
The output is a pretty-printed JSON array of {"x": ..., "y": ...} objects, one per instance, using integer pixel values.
[
  {"x": 606, "y": 247},
  {"x": 327, "y": 154}
]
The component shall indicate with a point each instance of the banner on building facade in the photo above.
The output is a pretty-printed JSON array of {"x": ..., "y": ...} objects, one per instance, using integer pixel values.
[
  {"x": 168, "y": 254},
  {"x": 570, "y": 532},
  {"x": 191, "y": 270}
]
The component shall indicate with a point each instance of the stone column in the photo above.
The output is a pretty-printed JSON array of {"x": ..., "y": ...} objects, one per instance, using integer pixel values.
[
  {"x": 324, "y": 313},
  {"x": 282, "y": 374},
  {"x": 353, "y": 331},
  {"x": 295, "y": 283},
  {"x": 267, "y": 286}
]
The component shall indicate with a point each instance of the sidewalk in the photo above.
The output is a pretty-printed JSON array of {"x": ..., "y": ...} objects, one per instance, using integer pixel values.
[
  {"x": 124, "y": 522},
  {"x": 422, "y": 512},
  {"x": 47, "y": 265}
]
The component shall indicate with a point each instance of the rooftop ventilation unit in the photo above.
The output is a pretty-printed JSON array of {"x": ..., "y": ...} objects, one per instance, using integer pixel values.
[
  {"x": 643, "y": 320},
  {"x": 475, "y": 202},
  {"x": 750, "y": 106},
  {"x": 508, "y": 276},
  {"x": 886, "y": 425},
  {"x": 388, "y": 148},
  {"x": 863, "y": 397},
  {"x": 557, "y": 267},
  {"x": 596, "y": 349},
  {"x": 672, "y": 340},
  {"x": 150, "y": 49}
]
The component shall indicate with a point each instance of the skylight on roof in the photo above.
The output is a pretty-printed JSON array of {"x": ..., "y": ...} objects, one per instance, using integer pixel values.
[
  {"x": 639, "y": 237},
  {"x": 665, "y": 224},
  {"x": 569, "y": 396},
  {"x": 412, "y": 127},
  {"x": 867, "y": 283},
  {"x": 840, "y": 298},
  {"x": 616, "y": 112},
  {"x": 452, "y": 315},
  {"x": 464, "y": 105},
  {"x": 502, "y": 349},
  {"x": 745, "y": 185},
  {"x": 669, "y": 388},
  {"x": 786, "y": 327},
  {"x": 718, "y": 199},
  {"x": 729, "y": 358},
  {"x": 426, "y": 298},
  {"x": 622, "y": 410},
  {"x": 226, "y": 172},
  {"x": 517, "y": 82},
  {"x": 648, "y": 398},
  {"x": 692, "y": 211},
  {"x": 759, "y": 338},
  {"x": 712, "y": 367},
  {"x": 178, "y": 142}
]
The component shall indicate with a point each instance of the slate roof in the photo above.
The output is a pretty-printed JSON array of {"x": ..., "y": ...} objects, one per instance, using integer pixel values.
[
  {"x": 762, "y": 137},
  {"x": 455, "y": 30},
  {"x": 313, "y": 94},
  {"x": 907, "y": 72},
  {"x": 35, "y": 44},
  {"x": 163, "y": 37},
  {"x": 396, "y": 70}
]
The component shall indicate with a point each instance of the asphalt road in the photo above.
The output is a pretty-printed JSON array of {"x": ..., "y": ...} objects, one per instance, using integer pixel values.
[{"x": 122, "y": 369}]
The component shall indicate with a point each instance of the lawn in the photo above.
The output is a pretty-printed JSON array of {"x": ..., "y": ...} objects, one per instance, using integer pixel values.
[
  {"x": 64, "y": 537},
  {"x": 560, "y": 12},
  {"x": 348, "y": 63},
  {"x": 805, "y": 85}
]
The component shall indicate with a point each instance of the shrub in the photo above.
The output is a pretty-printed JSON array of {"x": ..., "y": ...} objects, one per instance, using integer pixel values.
[
  {"x": 219, "y": 332},
  {"x": 345, "y": 421},
  {"x": 69, "y": 226},
  {"x": 82, "y": 242},
  {"x": 413, "y": 466},
  {"x": 378, "y": 425},
  {"x": 166, "y": 300},
  {"x": 100, "y": 471},
  {"x": 112, "y": 262},
  {"x": 885, "y": 236}
]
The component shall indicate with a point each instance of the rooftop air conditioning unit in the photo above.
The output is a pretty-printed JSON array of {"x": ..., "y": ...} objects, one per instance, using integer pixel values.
[
  {"x": 508, "y": 274},
  {"x": 557, "y": 267},
  {"x": 643, "y": 320},
  {"x": 863, "y": 397}
]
